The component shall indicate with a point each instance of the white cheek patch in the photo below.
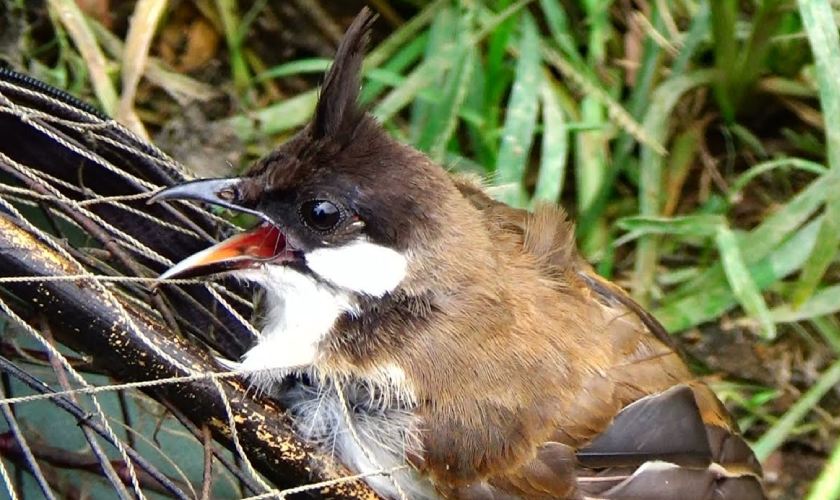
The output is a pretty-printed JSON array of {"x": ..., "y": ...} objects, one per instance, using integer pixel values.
[
  {"x": 361, "y": 266},
  {"x": 300, "y": 312}
]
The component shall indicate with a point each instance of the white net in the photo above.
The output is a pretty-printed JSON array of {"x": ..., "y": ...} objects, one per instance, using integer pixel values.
[{"x": 80, "y": 307}]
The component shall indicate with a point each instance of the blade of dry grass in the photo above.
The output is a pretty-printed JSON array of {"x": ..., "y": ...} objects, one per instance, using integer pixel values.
[
  {"x": 74, "y": 21},
  {"x": 141, "y": 31}
]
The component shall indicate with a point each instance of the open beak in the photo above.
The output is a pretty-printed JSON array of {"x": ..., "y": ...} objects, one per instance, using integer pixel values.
[
  {"x": 264, "y": 243},
  {"x": 221, "y": 192}
]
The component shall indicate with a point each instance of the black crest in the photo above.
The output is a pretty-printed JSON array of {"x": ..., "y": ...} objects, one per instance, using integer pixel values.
[{"x": 338, "y": 111}]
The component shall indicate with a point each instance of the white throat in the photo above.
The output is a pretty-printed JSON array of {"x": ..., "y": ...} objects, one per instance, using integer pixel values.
[
  {"x": 301, "y": 310},
  {"x": 299, "y": 313}
]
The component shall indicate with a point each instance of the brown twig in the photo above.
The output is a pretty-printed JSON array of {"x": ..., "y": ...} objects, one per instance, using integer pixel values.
[
  {"x": 84, "y": 419},
  {"x": 207, "y": 479},
  {"x": 106, "y": 467},
  {"x": 28, "y": 458},
  {"x": 243, "y": 479},
  {"x": 66, "y": 459}
]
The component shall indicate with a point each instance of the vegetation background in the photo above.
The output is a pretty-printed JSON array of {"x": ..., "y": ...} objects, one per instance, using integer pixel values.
[{"x": 696, "y": 142}]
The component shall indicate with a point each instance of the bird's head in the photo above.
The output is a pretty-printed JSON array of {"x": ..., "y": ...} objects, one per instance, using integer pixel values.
[
  {"x": 341, "y": 201},
  {"x": 348, "y": 215}
]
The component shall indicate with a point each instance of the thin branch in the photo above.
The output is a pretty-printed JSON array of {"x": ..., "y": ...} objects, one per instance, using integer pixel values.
[
  {"x": 84, "y": 419},
  {"x": 105, "y": 464},
  {"x": 243, "y": 478},
  {"x": 25, "y": 450},
  {"x": 66, "y": 459}
]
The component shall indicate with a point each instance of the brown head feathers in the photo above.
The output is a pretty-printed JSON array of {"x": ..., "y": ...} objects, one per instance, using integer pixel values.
[
  {"x": 338, "y": 112},
  {"x": 345, "y": 156}
]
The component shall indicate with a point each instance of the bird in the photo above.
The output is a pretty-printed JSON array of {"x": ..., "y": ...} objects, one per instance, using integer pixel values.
[{"x": 412, "y": 323}]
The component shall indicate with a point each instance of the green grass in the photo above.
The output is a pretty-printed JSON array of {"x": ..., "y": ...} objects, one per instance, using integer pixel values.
[{"x": 697, "y": 146}]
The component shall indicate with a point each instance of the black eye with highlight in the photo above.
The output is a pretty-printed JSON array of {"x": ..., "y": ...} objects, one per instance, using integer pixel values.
[{"x": 321, "y": 215}]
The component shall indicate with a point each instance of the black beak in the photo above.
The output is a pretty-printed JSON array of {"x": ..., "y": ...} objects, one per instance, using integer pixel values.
[
  {"x": 261, "y": 244},
  {"x": 222, "y": 192}
]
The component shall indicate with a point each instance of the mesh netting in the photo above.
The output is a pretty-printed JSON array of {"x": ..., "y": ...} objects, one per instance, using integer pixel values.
[{"x": 81, "y": 309}]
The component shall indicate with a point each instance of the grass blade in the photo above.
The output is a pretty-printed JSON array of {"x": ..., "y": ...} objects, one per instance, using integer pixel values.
[
  {"x": 777, "y": 434},
  {"x": 696, "y": 34},
  {"x": 664, "y": 98},
  {"x": 767, "y": 166},
  {"x": 818, "y": 20},
  {"x": 443, "y": 116},
  {"x": 74, "y": 21},
  {"x": 555, "y": 147},
  {"x": 827, "y": 484},
  {"x": 404, "y": 35},
  {"x": 295, "y": 111},
  {"x": 285, "y": 115},
  {"x": 712, "y": 296},
  {"x": 404, "y": 58},
  {"x": 521, "y": 118},
  {"x": 697, "y": 226},
  {"x": 229, "y": 16},
  {"x": 441, "y": 45},
  {"x": 824, "y": 252},
  {"x": 296, "y": 67},
  {"x": 763, "y": 241},
  {"x": 558, "y": 24},
  {"x": 742, "y": 283},
  {"x": 822, "y": 303},
  {"x": 724, "y": 15}
]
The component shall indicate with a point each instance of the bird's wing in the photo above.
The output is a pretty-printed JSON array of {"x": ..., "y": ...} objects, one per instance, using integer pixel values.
[
  {"x": 660, "y": 447},
  {"x": 643, "y": 429}
]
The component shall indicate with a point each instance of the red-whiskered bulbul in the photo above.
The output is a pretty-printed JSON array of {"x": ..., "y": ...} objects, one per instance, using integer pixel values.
[{"x": 469, "y": 339}]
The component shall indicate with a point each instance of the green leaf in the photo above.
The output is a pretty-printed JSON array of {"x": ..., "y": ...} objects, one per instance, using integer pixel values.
[
  {"x": 698, "y": 226},
  {"x": 555, "y": 146},
  {"x": 443, "y": 117},
  {"x": 822, "y": 303},
  {"x": 711, "y": 296},
  {"x": 521, "y": 118},
  {"x": 742, "y": 283},
  {"x": 779, "y": 432},
  {"x": 818, "y": 20}
]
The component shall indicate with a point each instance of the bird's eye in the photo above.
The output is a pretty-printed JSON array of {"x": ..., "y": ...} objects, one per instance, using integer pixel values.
[{"x": 321, "y": 215}]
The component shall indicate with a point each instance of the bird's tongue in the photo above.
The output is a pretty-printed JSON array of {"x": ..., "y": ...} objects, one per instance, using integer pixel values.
[{"x": 263, "y": 243}]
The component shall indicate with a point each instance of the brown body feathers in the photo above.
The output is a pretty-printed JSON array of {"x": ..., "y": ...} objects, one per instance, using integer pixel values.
[{"x": 519, "y": 372}]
